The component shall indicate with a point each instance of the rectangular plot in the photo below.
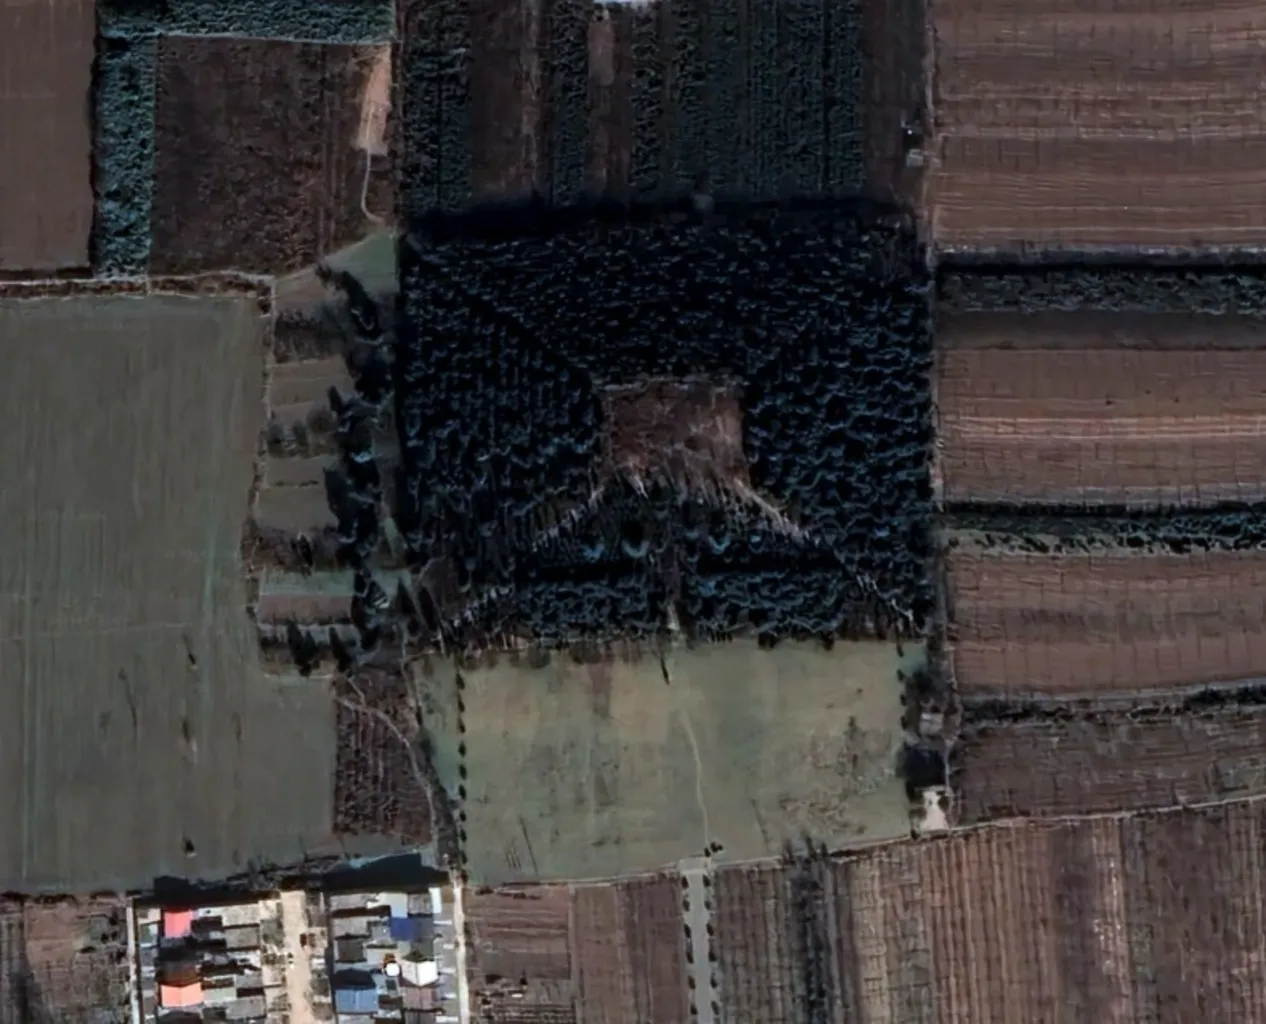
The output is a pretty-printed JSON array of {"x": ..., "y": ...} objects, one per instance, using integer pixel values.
[
  {"x": 287, "y": 118},
  {"x": 139, "y": 726},
  {"x": 1099, "y": 425},
  {"x": 648, "y": 100},
  {"x": 517, "y": 936},
  {"x": 76, "y": 953},
  {"x": 993, "y": 961},
  {"x": 1209, "y": 925},
  {"x": 894, "y": 968},
  {"x": 1041, "y": 119},
  {"x": 604, "y": 988},
  {"x": 46, "y": 201},
  {"x": 620, "y": 773},
  {"x": 1052, "y": 765},
  {"x": 755, "y": 961},
  {"x": 657, "y": 949},
  {"x": 1076, "y": 623}
]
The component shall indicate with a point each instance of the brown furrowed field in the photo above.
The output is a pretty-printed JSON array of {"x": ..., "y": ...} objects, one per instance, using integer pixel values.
[
  {"x": 1115, "y": 623},
  {"x": 1143, "y": 916},
  {"x": 1102, "y": 408},
  {"x": 1055, "y": 764},
  {"x": 139, "y": 725},
  {"x": 612, "y": 952},
  {"x": 46, "y": 136},
  {"x": 1097, "y": 124},
  {"x": 46, "y": 202},
  {"x": 287, "y": 119},
  {"x": 520, "y": 950}
]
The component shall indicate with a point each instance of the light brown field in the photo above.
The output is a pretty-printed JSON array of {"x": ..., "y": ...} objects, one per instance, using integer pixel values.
[
  {"x": 1085, "y": 409},
  {"x": 46, "y": 201},
  {"x": 1104, "y": 624},
  {"x": 139, "y": 727},
  {"x": 1097, "y": 124},
  {"x": 584, "y": 771}
]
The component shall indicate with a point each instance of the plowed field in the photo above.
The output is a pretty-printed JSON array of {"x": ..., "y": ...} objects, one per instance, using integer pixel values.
[
  {"x": 261, "y": 157},
  {"x": 1084, "y": 409},
  {"x": 1114, "y": 762},
  {"x": 1100, "y": 123},
  {"x": 46, "y": 53},
  {"x": 1077, "y": 624},
  {"x": 612, "y": 952}
]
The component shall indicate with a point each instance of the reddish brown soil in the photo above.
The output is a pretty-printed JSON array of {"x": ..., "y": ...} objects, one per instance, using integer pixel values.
[
  {"x": 1105, "y": 624},
  {"x": 46, "y": 202},
  {"x": 76, "y": 952},
  {"x": 1103, "y": 423},
  {"x": 994, "y": 958},
  {"x": 279, "y": 117},
  {"x": 628, "y": 944},
  {"x": 1193, "y": 889},
  {"x": 381, "y": 785},
  {"x": 753, "y": 943},
  {"x": 1103, "y": 123},
  {"x": 686, "y": 430},
  {"x": 520, "y": 952},
  {"x": 12, "y": 964},
  {"x": 1113, "y": 762}
]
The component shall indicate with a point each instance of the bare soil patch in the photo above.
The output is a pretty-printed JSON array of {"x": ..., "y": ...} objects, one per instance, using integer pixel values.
[
  {"x": 1104, "y": 624},
  {"x": 1108, "y": 423},
  {"x": 1097, "y": 124},
  {"x": 259, "y": 164},
  {"x": 690, "y": 432},
  {"x": 46, "y": 201},
  {"x": 76, "y": 954}
]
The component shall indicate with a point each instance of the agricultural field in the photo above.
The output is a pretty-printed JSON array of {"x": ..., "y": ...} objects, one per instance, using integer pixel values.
[
  {"x": 1110, "y": 623},
  {"x": 381, "y": 785},
  {"x": 1105, "y": 124},
  {"x": 1062, "y": 922},
  {"x": 1026, "y": 762},
  {"x": 76, "y": 960},
  {"x": 64, "y": 961},
  {"x": 1057, "y": 922},
  {"x": 1099, "y": 407},
  {"x": 591, "y": 770},
  {"x": 572, "y": 100},
  {"x": 46, "y": 201},
  {"x": 267, "y": 154},
  {"x": 140, "y": 728},
  {"x": 548, "y": 954}
]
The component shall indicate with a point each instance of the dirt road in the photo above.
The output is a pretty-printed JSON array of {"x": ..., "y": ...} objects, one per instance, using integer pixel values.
[{"x": 294, "y": 919}]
